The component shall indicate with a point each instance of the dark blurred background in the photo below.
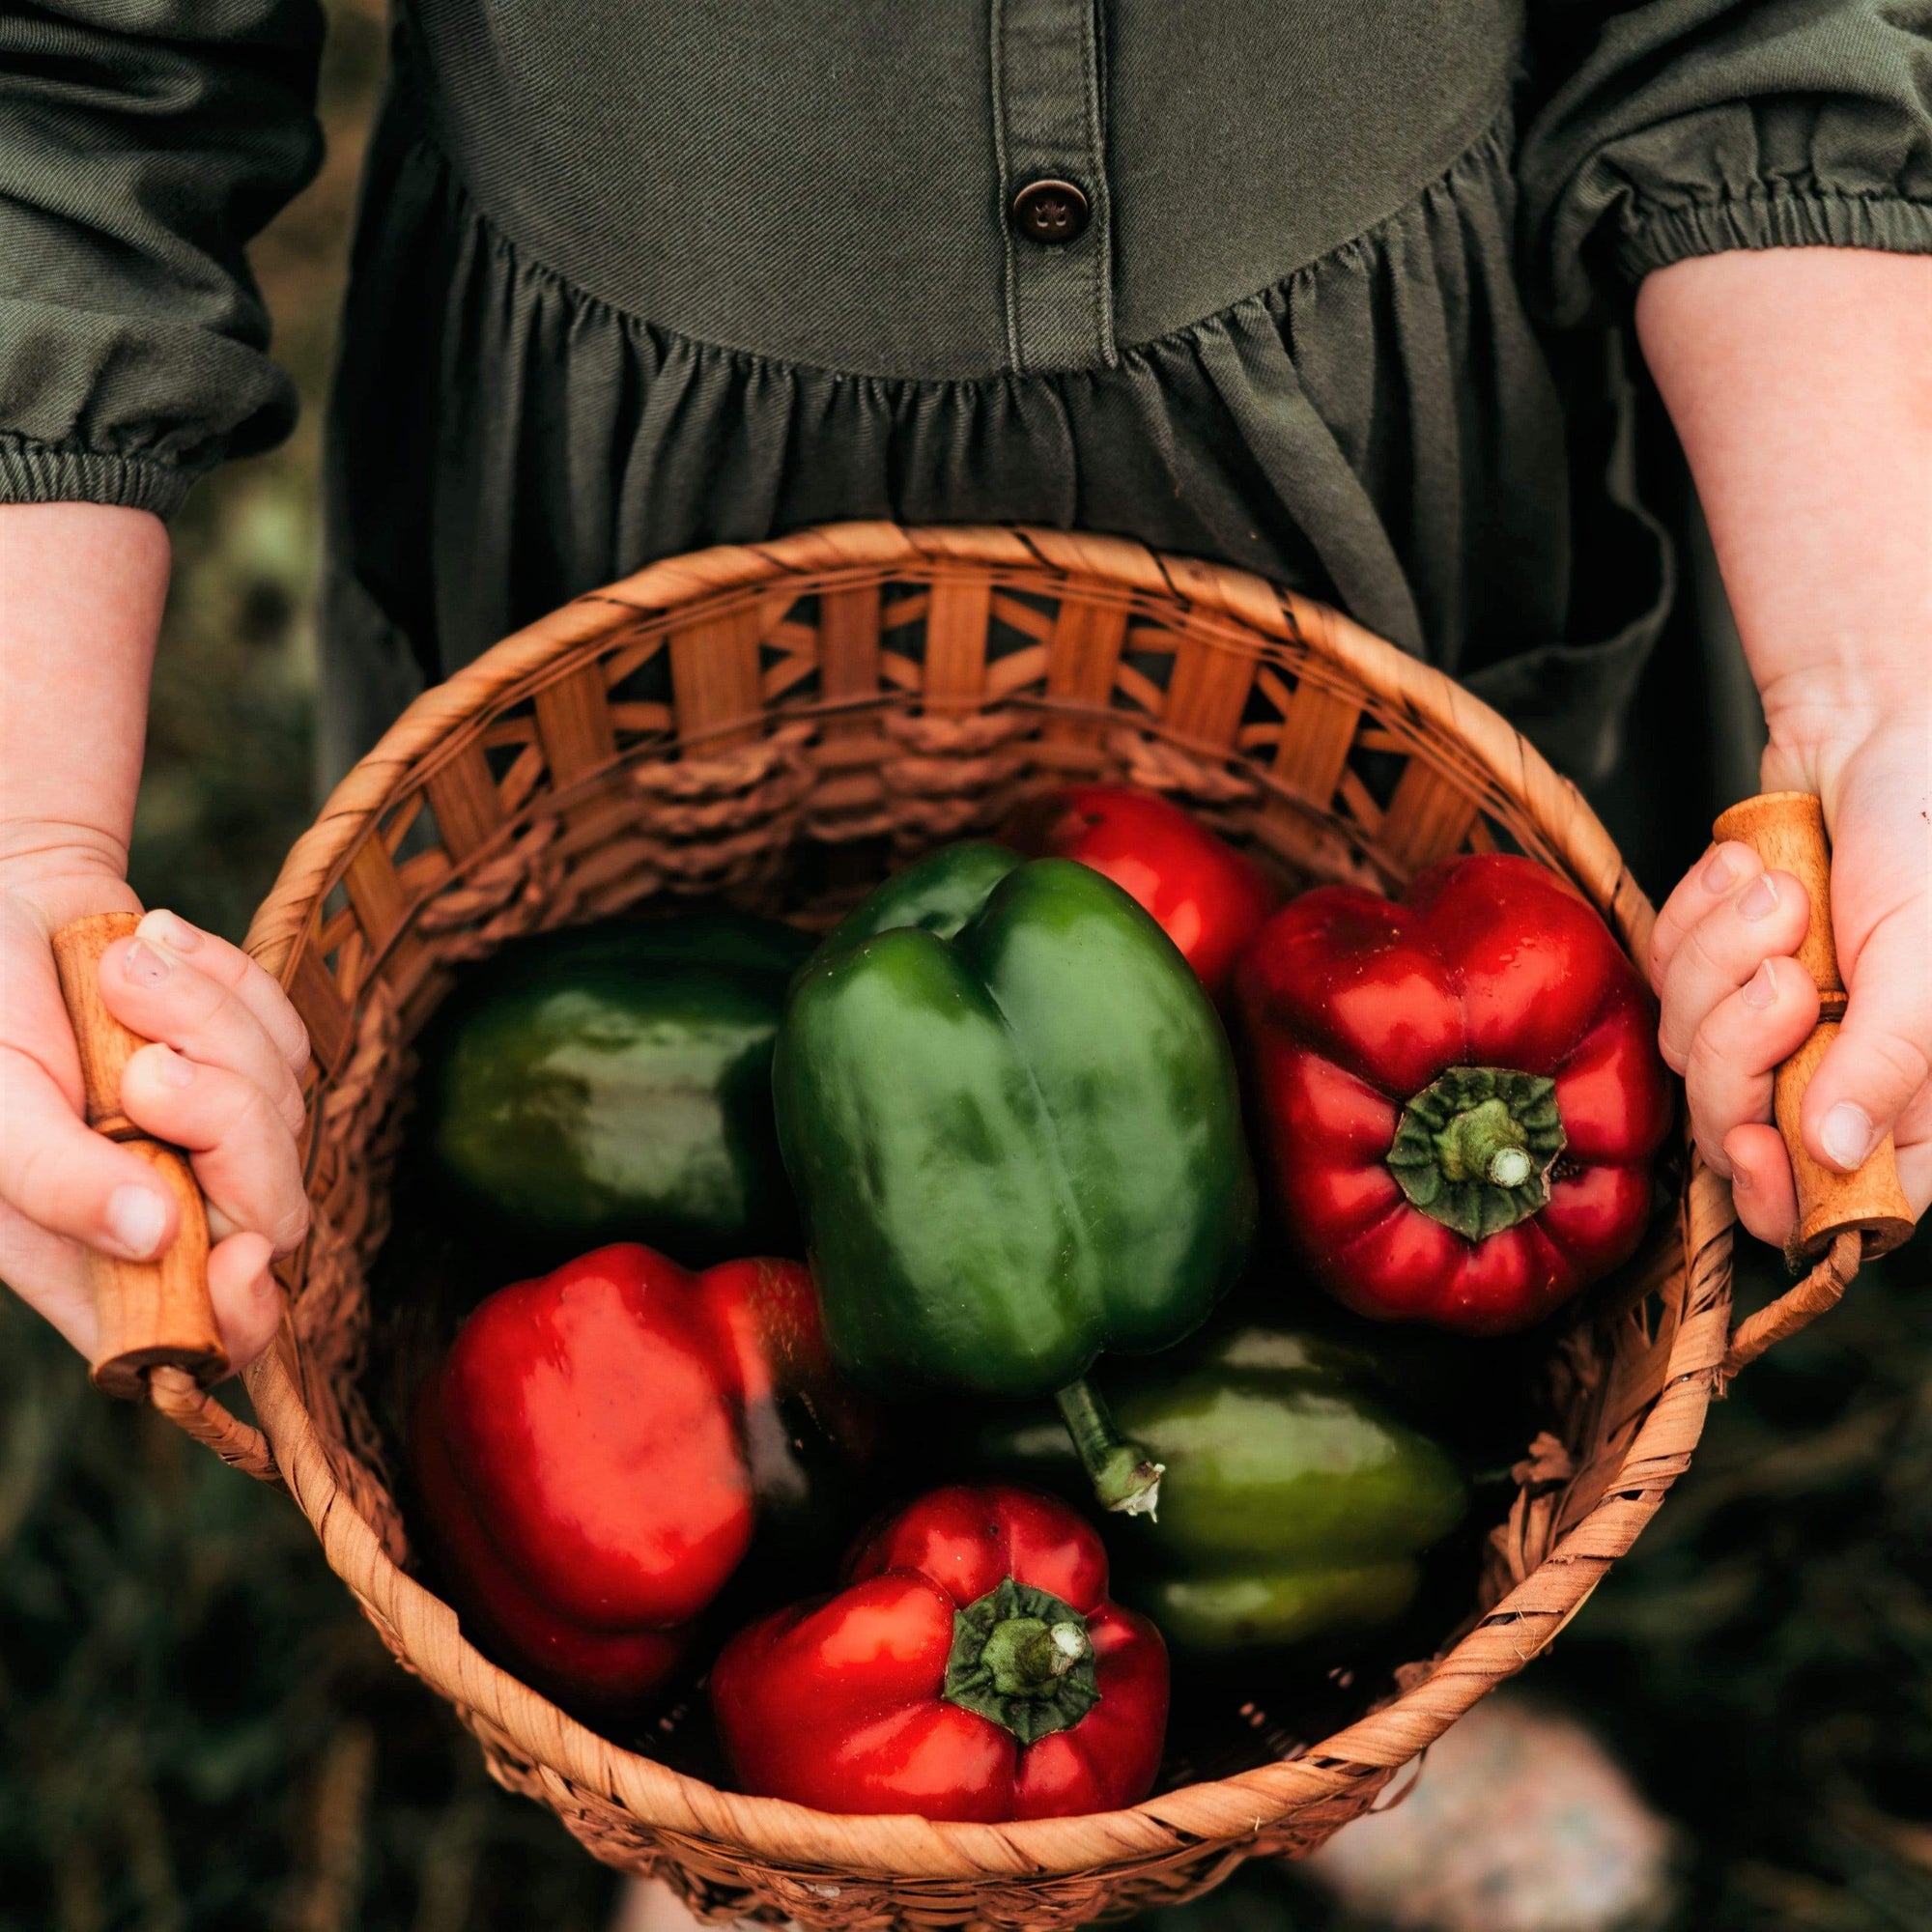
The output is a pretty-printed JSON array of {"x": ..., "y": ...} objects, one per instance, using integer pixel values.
[{"x": 201, "y": 1734}]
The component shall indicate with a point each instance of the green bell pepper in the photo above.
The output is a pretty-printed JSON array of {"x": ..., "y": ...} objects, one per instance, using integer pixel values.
[
  {"x": 1015, "y": 1135},
  {"x": 614, "y": 1083},
  {"x": 939, "y": 895},
  {"x": 1295, "y": 1507}
]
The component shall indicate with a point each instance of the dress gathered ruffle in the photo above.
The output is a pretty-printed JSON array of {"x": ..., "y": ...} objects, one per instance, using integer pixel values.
[{"x": 1380, "y": 430}]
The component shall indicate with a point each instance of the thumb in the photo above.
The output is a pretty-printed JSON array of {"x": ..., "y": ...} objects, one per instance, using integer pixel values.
[{"x": 1883, "y": 1054}]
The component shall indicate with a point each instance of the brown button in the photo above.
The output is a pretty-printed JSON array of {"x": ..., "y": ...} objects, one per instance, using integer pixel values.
[{"x": 1052, "y": 212}]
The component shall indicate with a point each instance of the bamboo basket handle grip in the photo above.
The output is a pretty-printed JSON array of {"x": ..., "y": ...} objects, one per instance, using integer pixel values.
[
  {"x": 158, "y": 1334},
  {"x": 1843, "y": 1219}
]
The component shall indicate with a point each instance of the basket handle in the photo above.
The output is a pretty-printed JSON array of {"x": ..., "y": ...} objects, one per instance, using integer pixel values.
[
  {"x": 1843, "y": 1219},
  {"x": 157, "y": 1335}
]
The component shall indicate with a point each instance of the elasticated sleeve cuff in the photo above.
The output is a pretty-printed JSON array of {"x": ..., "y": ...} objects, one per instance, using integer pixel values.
[
  {"x": 1683, "y": 127},
  {"x": 141, "y": 145},
  {"x": 31, "y": 472},
  {"x": 1657, "y": 237}
]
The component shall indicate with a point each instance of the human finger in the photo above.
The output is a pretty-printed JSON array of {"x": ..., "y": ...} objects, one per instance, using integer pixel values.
[
  {"x": 1911, "y": 1140},
  {"x": 247, "y": 1298},
  {"x": 49, "y": 1273},
  {"x": 1716, "y": 877},
  {"x": 242, "y": 1152},
  {"x": 1881, "y": 1057},
  {"x": 231, "y": 967},
  {"x": 1765, "y": 917},
  {"x": 71, "y": 1180},
  {"x": 1762, "y": 1188},
  {"x": 1727, "y": 1073},
  {"x": 163, "y": 997}
]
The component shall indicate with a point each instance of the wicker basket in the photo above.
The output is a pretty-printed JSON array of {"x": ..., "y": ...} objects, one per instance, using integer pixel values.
[{"x": 821, "y": 707}]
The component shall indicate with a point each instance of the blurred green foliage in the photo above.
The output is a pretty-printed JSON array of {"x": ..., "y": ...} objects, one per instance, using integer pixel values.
[
  {"x": 200, "y": 1731},
  {"x": 1764, "y": 1660},
  {"x": 201, "y": 1734}
]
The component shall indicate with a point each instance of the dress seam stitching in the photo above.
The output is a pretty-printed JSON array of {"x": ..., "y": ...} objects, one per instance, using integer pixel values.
[
  {"x": 1103, "y": 191},
  {"x": 1001, "y": 168}
]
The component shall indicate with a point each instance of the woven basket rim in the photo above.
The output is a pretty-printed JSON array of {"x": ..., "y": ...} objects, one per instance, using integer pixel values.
[
  {"x": 910, "y": 1847},
  {"x": 676, "y": 584}
]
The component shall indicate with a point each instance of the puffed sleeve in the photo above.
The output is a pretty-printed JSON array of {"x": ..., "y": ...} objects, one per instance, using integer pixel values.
[
  {"x": 1686, "y": 127},
  {"x": 142, "y": 144}
]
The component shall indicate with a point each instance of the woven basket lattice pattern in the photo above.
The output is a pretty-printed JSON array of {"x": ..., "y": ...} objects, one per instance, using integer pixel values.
[{"x": 779, "y": 725}]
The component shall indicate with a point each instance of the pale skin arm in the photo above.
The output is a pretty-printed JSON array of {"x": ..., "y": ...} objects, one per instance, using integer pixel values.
[
  {"x": 1800, "y": 383},
  {"x": 81, "y": 588}
]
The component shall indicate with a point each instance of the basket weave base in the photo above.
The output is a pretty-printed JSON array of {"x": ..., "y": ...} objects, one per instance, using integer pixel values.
[{"x": 779, "y": 725}]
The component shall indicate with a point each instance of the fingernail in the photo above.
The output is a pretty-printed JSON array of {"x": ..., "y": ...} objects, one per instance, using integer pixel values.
[
  {"x": 136, "y": 1219},
  {"x": 170, "y": 929},
  {"x": 143, "y": 965},
  {"x": 1718, "y": 870},
  {"x": 1758, "y": 899},
  {"x": 1761, "y": 988},
  {"x": 175, "y": 1071},
  {"x": 1847, "y": 1133},
  {"x": 1740, "y": 1180}
]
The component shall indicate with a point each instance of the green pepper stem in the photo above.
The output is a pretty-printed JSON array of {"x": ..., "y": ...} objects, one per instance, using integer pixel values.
[
  {"x": 1027, "y": 1656},
  {"x": 1508, "y": 1167},
  {"x": 1125, "y": 1477},
  {"x": 1022, "y": 1658},
  {"x": 1485, "y": 1142},
  {"x": 1474, "y": 1149}
]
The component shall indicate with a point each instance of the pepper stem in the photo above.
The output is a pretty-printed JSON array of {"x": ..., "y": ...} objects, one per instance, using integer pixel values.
[
  {"x": 1021, "y": 1656},
  {"x": 1486, "y": 1143},
  {"x": 1028, "y": 1655},
  {"x": 1124, "y": 1476},
  {"x": 1474, "y": 1149}
]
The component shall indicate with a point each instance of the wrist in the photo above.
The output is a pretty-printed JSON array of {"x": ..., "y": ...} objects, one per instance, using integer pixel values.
[
  {"x": 1817, "y": 718},
  {"x": 63, "y": 870}
]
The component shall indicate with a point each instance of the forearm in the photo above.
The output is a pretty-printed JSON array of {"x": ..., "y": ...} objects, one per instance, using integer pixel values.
[
  {"x": 81, "y": 590},
  {"x": 1801, "y": 385}
]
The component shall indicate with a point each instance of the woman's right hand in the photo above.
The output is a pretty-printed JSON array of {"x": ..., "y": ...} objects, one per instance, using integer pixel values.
[
  {"x": 222, "y": 1081},
  {"x": 81, "y": 591}
]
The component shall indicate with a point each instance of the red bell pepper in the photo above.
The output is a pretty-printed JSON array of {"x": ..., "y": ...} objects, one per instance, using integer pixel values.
[
  {"x": 1208, "y": 898},
  {"x": 972, "y": 1669},
  {"x": 595, "y": 1451},
  {"x": 1461, "y": 1093}
]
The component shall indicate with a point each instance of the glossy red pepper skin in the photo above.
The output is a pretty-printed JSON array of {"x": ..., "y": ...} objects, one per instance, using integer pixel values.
[
  {"x": 1353, "y": 1004},
  {"x": 839, "y": 1702},
  {"x": 1207, "y": 896},
  {"x": 561, "y": 1656},
  {"x": 595, "y": 1451}
]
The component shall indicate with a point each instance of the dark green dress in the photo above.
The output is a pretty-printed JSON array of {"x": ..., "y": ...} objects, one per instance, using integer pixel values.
[{"x": 634, "y": 275}]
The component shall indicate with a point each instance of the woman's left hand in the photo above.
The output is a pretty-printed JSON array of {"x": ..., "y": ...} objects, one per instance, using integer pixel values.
[
  {"x": 1736, "y": 1002},
  {"x": 1799, "y": 381}
]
